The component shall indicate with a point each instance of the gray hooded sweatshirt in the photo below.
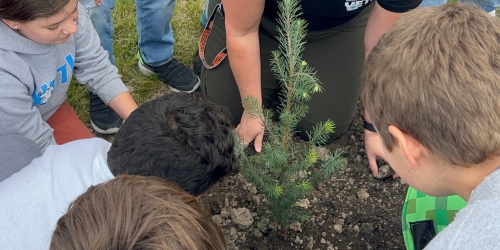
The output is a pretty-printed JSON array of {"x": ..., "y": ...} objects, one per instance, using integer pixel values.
[{"x": 34, "y": 78}]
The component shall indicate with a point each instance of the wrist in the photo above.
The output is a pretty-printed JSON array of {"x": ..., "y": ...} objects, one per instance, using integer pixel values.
[{"x": 368, "y": 126}]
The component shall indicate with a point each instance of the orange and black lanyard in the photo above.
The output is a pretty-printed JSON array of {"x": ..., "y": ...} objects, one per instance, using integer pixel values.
[{"x": 203, "y": 40}]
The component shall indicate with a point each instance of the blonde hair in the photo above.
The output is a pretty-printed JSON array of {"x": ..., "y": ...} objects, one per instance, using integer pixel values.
[
  {"x": 134, "y": 212},
  {"x": 436, "y": 76}
]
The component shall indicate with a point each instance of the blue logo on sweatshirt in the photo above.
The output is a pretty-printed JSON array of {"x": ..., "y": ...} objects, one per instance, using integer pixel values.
[{"x": 44, "y": 91}]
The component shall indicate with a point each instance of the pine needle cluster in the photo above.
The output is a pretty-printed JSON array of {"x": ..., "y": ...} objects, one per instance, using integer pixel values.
[{"x": 283, "y": 170}]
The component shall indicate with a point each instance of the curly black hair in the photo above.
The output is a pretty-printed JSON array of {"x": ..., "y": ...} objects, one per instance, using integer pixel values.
[{"x": 179, "y": 137}]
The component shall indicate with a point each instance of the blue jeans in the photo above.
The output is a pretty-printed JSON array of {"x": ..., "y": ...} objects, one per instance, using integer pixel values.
[
  {"x": 486, "y": 5},
  {"x": 204, "y": 15},
  {"x": 156, "y": 39},
  {"x": 101, "y": 20}
]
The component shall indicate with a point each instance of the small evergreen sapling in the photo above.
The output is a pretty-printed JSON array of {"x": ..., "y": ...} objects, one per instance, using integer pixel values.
[{"x": 275, "y": 171}]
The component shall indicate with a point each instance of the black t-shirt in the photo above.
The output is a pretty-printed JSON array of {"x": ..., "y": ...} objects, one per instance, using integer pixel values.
[{"x": 323, "y": 14}]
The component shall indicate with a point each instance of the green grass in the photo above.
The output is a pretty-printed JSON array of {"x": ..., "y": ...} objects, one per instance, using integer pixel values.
[{"x": 187, "y": 31}]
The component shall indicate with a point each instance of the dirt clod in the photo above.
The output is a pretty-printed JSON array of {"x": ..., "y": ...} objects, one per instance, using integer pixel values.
[{"x": 384, "y": 172}]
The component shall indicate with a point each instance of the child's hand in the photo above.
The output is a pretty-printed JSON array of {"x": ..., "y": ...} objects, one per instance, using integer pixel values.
[
  {"x": 98, "y": 2},
  {"x": 374, "y": 150}
]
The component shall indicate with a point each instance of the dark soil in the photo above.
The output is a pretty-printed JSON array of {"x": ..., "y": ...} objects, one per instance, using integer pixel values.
[{"x": 352, "y": 210}]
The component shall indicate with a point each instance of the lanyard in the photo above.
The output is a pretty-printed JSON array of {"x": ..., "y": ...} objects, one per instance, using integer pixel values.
[{"x": 203, "y": 40}]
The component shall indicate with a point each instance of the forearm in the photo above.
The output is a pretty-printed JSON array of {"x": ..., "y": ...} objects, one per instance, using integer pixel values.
[
  {"x": 378, "y": 23},
  {"x": 242, "y": 19},
  {"x": 123, "y": 104},
  {"x": 244, "y": 58},
  {"x": 19, "y": 117}
]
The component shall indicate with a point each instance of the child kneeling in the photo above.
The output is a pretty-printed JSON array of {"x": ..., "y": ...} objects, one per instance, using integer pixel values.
[
  {"x": 43, "y": 44},
  {"x": 431, "y": 88}
]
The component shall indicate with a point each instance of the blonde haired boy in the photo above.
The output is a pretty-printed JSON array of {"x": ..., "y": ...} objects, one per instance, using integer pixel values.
[
  {"x": 136, "y": 212},
  {"x": 432, "y": 90}
]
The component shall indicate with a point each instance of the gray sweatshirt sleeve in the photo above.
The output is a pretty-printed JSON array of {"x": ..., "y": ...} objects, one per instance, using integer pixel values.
[
  {"x": 17, "y": 113},
  {"x": 476, "y": 225},
  {"x": 92, "y": 66}
]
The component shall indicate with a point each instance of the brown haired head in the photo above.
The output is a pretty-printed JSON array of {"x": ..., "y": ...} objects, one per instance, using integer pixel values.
[
  {"x": 436, "y": 76},
  {"x": 28, "y": 10},
  {"x": 134, "y": 212}
]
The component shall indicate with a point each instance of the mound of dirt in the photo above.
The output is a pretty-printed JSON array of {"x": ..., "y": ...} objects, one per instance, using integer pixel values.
[{"x": 352, "y": 210}]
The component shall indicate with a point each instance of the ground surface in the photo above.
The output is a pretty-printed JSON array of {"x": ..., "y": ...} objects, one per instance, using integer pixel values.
[{"x": 352, "y": 210}]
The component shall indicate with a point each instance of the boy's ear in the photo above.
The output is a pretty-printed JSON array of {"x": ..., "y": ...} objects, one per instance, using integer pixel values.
[{"x": 411, "y": 149}]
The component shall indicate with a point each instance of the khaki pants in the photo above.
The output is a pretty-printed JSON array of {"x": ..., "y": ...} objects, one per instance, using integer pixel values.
[{"x": 67, "y": 126}]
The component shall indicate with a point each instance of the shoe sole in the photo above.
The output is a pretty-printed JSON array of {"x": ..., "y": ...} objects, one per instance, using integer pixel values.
[
  {"x": 144, "y": 70},
  {"x": 148, "y": 72},
  {"x": 108, "y": 131},
  {"x": 196, "y": 86}
]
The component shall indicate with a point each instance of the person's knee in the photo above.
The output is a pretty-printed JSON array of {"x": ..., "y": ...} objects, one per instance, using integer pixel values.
[{"x": 338, "y": 131}]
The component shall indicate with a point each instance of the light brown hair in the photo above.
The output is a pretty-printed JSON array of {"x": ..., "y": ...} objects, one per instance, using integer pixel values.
[
  {"x": 436, "y": 76},
  {"x": 135, "y": 212}
]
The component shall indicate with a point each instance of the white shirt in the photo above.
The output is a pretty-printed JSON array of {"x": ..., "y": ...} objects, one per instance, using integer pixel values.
[{"x": 33, "y": 200}]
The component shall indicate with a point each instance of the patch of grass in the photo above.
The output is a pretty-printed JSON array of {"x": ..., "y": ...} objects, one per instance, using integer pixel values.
[{"x": 187, "y": 31}]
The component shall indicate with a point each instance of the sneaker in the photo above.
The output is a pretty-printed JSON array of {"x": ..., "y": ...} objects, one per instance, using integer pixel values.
[
  {"x": 103, "y": 118},
  {"x": 178, "y": 77}
]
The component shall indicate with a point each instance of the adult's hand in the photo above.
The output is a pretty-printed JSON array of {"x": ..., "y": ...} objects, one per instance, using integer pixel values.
[
  {"x": 374, "y": 150},
  {"x": 250, "y": 129}
]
